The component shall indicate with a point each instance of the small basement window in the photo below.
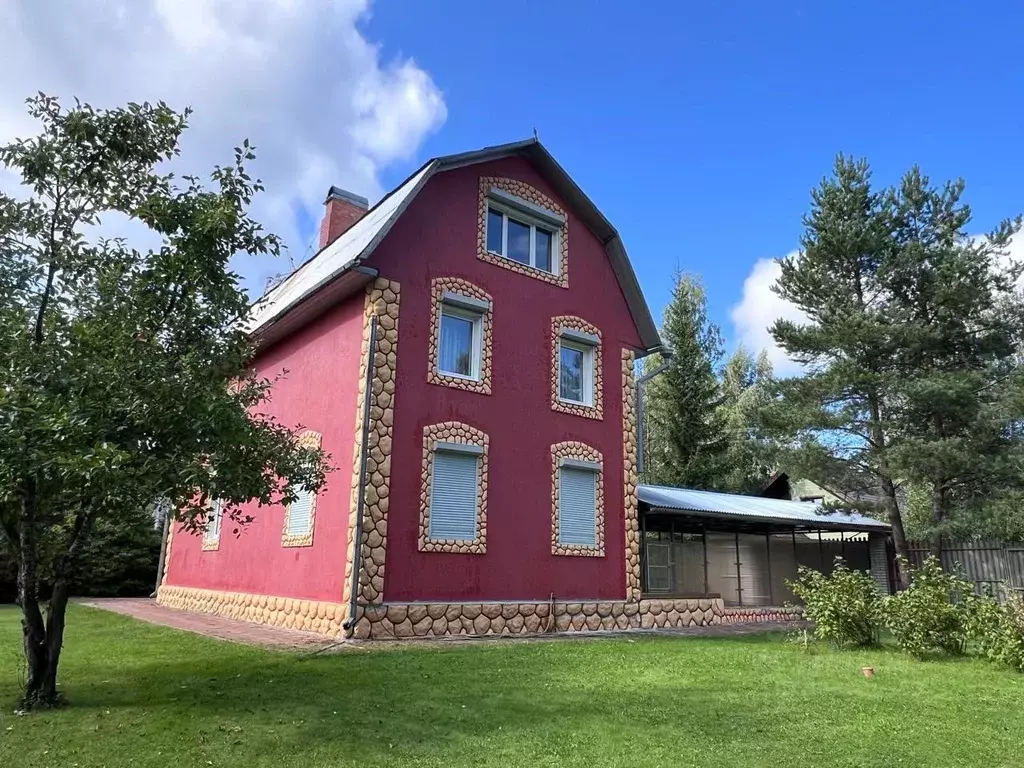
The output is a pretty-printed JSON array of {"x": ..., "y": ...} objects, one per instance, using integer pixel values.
[{"x": 520, "y": 231}]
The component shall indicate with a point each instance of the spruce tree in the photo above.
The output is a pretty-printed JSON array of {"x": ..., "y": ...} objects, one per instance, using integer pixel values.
[
  {"x": 748, "y": 461},
  {"x": 685, "y": 431}
]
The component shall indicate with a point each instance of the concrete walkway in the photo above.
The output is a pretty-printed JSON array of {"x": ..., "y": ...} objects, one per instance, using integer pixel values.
[{"x": 145, "y": 609}]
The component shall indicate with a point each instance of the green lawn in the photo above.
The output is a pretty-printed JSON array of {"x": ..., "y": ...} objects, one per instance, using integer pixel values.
[{"x": 143, "y": 695}]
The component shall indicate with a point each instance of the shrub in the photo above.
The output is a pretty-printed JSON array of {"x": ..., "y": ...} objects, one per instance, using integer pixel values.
[
  {"x": 998, "y": 629},
  {"x": 933, "y": 614},
  {"x": 842, "y": 605}
]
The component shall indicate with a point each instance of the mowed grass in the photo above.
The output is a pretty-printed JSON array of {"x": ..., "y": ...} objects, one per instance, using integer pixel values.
[{"x": 148, "y": 696}]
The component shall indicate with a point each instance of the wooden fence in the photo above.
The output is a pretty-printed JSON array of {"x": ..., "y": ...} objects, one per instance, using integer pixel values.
[{"x": 995, "y": 566}]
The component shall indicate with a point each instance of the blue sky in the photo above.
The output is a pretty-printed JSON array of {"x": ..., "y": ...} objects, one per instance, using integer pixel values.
[{"x": 699, "y": 128}]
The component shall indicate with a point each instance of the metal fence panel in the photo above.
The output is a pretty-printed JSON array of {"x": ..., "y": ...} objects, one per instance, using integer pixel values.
[{"x": 995, "y": 566}]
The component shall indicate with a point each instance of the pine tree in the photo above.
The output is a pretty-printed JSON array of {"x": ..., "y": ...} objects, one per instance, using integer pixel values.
[
  {"x": 836, "y": 420},
  {"x": 685, "y": 431},
  {"x": 952, "y": 301}
]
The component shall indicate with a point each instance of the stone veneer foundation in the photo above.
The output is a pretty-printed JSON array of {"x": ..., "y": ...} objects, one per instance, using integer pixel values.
[
  {"x": 453, "y": 432},
  {"x": 406, "y": 620}
]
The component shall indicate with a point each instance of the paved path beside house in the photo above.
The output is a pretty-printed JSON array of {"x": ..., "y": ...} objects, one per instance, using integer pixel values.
[
  {"x": 145, "y": 609},
  {"x": 248, "y": 633}
]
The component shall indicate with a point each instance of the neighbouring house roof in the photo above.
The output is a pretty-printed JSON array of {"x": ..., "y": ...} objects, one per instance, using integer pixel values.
[
  {"x": 735, "y": 506},
  {"x": 344, "y": 256}
]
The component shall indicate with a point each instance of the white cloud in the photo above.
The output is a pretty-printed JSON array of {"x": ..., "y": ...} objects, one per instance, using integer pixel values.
[
  {"x": 757, "y": 309},
  {"x": 298, "y": 78}
]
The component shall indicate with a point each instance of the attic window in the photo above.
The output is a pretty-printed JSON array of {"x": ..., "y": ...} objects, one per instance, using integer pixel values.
[{"x": 522, "y": 231}]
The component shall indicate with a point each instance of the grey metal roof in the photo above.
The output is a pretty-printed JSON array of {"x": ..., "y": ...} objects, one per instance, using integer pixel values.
[
  {"x": 356, "y": 244},
  {"x": 708, "y": 503}
]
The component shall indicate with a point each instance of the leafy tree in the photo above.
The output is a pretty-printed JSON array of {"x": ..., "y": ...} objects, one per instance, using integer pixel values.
[
  {"x": 910, "y": 346},
  {"x": 124, "y": 374},
  {"x": 685, "y": 430}
]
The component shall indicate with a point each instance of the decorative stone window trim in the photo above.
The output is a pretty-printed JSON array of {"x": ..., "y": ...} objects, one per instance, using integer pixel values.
[
  {"x": 463, "y": 434},
  {"x": 382, "y": 299},
  {"x": 629, "y": 476},
  {"x": 572, "y": 450},
  {"x": 212, "y": 544},
  {"x": 532, "y": 195},
  {"x": 568, "y": 326},
  {"x": 455, "y": 287},
  {"x": 308, "y": 439}
]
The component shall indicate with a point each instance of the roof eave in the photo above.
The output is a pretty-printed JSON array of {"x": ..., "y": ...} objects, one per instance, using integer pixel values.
[{"x": 787, "y": 522}]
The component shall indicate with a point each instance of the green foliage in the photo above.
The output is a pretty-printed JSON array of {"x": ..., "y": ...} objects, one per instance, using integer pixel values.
[
  {"x": 933, "y": 614},
  {"x": 910, "y": 346},
  {"x": 699, "y": 420},
  {"x": 125, "y": 373},
  {"x": 118, "y": 559},
  {"x": 997, "y": 629},
  {"x": 843, "y": 605}
]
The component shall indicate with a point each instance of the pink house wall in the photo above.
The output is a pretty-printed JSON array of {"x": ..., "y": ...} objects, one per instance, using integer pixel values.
[
  {"x": 437, "y": 237},
  {"x": 319, "y": 392}
]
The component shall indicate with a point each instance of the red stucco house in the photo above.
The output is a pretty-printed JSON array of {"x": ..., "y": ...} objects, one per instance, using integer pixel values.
[{"x": 465, "y": 352}]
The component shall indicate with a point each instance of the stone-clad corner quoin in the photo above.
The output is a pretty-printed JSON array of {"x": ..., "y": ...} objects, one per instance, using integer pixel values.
[
  {"x": 630, "y": 479},
  {"x": 453, "y": 432},
  {"x": 382, "y": 301}
]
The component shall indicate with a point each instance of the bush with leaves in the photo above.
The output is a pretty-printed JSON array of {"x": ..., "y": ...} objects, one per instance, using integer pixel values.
[
  {"x": 842, "y": 605},
  {"x": 932, "y": 615},
  {"x": 997, "y": 629}
]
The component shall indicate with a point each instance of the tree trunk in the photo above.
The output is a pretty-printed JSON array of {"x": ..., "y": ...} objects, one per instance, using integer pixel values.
[
  {"x": 41, "y": 674},
  {"x": 892, "y": 507},
  {"x": 43, "y": 642}
]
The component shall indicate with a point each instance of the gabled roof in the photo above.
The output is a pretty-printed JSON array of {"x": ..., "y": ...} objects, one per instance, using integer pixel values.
[
  {"x": 348, "y": 252},
  {"x": 732, "y": 505}
]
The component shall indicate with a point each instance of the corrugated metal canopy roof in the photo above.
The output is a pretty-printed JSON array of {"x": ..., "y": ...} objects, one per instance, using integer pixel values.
[{"x": 723, "y": 505}]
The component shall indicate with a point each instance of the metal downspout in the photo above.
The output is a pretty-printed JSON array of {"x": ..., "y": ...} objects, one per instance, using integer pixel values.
[
  {"x": 357, "y": 538},
  {"x": 666, "y": 356}
]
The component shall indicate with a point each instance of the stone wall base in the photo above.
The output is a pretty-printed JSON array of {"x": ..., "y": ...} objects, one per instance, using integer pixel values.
[
  {"x": 284, "y": 612},
  {"x": 481, "y": 619},
  {"x": 736, "y": 615},
  {"x": 403, "y": 620}
]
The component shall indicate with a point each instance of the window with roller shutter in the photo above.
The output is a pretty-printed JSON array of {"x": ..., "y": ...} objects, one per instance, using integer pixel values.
[
  {"x": 300, "y": 514},
  {"x": 453, "y": 494},
  {"x": 577, "y": 506}
]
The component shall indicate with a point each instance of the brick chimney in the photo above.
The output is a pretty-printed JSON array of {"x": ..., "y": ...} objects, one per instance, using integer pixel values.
[{"x": 342, "y": 210}]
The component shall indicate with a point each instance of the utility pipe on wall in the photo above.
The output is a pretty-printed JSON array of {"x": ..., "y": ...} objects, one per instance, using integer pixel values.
[{"x": 357, "y": 536}]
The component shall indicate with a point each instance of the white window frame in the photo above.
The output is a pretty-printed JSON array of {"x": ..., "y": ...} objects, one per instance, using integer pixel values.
[
  {"x": 588, "y": 371},
  {"x": 213, "y": 521},
  {"x": 517, "y": 211},
  {"x": 453, "y": 308}
]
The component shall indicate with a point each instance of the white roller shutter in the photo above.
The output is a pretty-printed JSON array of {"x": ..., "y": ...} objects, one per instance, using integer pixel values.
[
  {"x": 453, "y": 496},
  {"x": 300, "y": 514},
  {"x": 577, "y": 506}
]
